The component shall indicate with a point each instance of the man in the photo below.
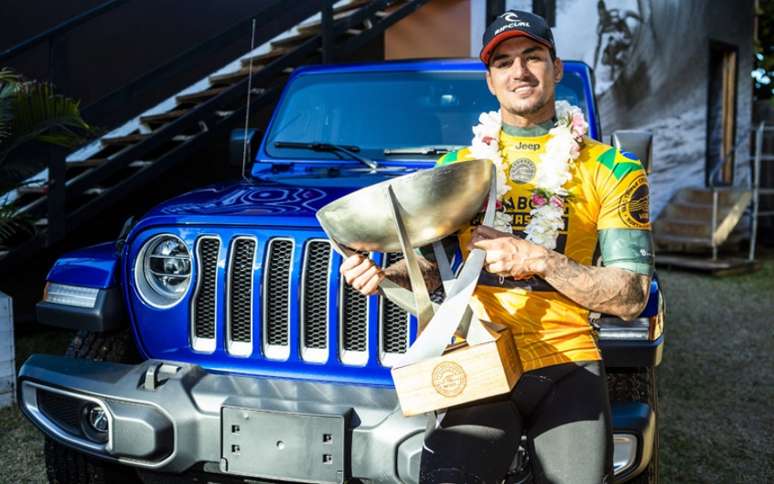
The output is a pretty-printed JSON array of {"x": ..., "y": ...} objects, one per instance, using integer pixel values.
[{"x": 544, "y": 296}]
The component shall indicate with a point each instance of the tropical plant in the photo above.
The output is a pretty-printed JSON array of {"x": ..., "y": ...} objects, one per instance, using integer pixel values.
[{"x": 30, "y": 112}]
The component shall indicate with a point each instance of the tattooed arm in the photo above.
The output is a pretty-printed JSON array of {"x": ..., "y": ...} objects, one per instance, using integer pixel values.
[
  {"x": 365, "y": 276},
  {"x": 609, "y": 290}
]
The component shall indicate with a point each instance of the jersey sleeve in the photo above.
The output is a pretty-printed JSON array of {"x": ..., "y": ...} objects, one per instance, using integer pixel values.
[
  {"x": 624, "y": 218},
  {"x": 622, "y": 190}
]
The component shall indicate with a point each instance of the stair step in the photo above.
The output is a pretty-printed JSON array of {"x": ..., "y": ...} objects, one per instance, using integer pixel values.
[
  {"x": 264, "y": 58},
  {"x": 163, "y": 118},
  {"x": 693, "y": 211},
  {"x": 128, "y": 139},
  {"x": 718, "y": 267},
  {"x": 90, "y": 163},
  {"x": 688, "y": 228},
  {"x": 292, "y": 40},
  {"x": 196, "y": 97},
  {"x": 140, "y": 164},
  {"x": 354, "y": 5},
  {"x": 674, "y": 242},
  {"x": 669, "y": 239},
  {"x": 232, "y": 77},
  {"x": 726, "y": 196},
  {"x": 95, "y": 191},
  {"x": 314, "y": 27},
  {"x": 32, "y": 189}
]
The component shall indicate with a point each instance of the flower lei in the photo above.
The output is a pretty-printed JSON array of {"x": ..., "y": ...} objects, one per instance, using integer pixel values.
[{"x": 553, "y": 172}]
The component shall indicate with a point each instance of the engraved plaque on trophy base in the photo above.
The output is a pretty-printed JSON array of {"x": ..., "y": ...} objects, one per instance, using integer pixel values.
[{"x": 462, "y": 374}]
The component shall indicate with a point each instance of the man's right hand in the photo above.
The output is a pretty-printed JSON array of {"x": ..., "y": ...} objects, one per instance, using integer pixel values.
[{"x": 362, "y": 274}]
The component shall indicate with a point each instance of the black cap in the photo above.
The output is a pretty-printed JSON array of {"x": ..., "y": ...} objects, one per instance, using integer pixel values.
[{"x": 516, "y": 23}]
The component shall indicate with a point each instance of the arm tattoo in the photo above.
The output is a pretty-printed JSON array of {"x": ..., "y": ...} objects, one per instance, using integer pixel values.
[
  {"x": 398, "y": 273},
  {"x": 609, "y": 290}
]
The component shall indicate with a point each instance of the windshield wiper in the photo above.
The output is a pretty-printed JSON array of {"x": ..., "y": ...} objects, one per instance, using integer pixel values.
[
  {"x": 346, "y": 149},
  {"x": 423, "y": 150}
]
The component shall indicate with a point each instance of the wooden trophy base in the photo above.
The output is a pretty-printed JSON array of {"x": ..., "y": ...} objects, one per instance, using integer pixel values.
[{"x": 462, "y": 374}]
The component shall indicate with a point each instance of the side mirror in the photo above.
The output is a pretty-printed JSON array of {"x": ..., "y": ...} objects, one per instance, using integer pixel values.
[
  {"x": 638, "y": 142},
  {"x": 236, "y": 144}
]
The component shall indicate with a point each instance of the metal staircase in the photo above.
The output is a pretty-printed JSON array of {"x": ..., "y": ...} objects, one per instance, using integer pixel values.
[
  {"x": 93, "y": 178},
  {"x": 698, "y": 220}
]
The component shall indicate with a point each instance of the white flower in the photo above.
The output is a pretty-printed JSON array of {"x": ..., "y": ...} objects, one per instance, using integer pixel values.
[{"x": 554, "y": 170}]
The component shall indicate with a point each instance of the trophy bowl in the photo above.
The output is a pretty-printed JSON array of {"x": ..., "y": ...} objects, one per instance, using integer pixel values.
[{"x": 435, "y": 203}]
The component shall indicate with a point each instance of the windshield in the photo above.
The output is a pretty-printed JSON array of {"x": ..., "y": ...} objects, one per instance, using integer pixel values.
[{"x": 388, "y": 110}]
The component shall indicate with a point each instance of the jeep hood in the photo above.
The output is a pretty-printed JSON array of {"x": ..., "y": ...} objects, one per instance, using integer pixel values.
[{"x": 245, "y": 203}]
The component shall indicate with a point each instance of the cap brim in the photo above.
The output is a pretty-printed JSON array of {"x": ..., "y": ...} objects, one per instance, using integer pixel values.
[{"x": 486, "y": 52}]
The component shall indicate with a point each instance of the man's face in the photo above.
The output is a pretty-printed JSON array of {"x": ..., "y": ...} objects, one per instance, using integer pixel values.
[{"x": 523, "y": 77}]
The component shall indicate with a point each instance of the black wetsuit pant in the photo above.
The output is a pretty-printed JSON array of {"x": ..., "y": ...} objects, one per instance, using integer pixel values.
[{"x": 564, "y": 411}]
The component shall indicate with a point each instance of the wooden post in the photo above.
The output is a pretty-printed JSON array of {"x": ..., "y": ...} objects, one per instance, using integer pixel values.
[
  {"x": 7, "y": 354},
  {"x": 57, "y": 213},
  {"x": 326, "y": 26}
]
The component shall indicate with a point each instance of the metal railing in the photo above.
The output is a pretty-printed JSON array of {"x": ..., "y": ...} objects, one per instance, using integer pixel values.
[{"x": 755, "y": 182}]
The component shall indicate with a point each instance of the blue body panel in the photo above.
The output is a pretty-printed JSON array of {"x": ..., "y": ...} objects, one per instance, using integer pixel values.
[{"x": 96, "y": 266}]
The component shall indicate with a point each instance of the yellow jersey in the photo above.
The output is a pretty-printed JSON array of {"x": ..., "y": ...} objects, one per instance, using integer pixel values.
[{"x": 608, "y": 190}]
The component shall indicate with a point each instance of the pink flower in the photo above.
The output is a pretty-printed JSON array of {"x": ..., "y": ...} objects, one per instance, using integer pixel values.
[
  {"x": 556, "y": 202},
  {"x": 575, "y": 149},
  {"x": 488, "y": 139},
  {"x": 538, "y": 200},
  {"x": 578, "y": 125}
]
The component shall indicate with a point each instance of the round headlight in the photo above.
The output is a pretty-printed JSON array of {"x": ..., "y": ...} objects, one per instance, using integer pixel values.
[{"x": 163, "y": 270}]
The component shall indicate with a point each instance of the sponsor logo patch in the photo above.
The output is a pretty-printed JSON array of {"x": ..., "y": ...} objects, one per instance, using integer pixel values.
[
  {"x": 522, "y": 170},
  {"x": 633, "y": 208},
  {"x": 449, "y": 379}
]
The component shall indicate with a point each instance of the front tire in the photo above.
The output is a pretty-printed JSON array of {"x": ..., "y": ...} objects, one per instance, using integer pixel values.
[
  {"x": 638, "y": 385},
  {"x": 67, "y": 466}
]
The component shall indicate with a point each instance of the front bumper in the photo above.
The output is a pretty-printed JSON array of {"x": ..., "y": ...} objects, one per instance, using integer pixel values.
[{"x": 171, "y": 417}]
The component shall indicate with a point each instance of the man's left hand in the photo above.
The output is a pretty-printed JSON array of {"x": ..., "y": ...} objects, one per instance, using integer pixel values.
[{"x": 507, "y": 255}]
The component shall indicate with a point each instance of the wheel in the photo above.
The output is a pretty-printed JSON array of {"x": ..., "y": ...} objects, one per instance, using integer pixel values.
[
  {"x": 638, "y": 385},
  {"x": 67, "y": 466}
]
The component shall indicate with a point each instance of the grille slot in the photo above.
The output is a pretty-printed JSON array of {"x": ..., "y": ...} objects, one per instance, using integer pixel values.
[
  {"x": 354, "y": 325},
  {"x": 205, "y": 303},
  {"x": 394, "y": 322},
  {"x": 240, "y": 296},
  {"x": 276, "y": 298},
  {"x": 314, "y": 300},
  {"x": 62, "y": 409}
]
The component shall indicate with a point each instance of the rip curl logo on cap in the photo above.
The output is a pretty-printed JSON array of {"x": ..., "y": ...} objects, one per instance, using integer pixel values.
[
  {"x": 633, "y": 208},
  {"x": 513, "y": 25},
  {"x": 510, "y": 16}
]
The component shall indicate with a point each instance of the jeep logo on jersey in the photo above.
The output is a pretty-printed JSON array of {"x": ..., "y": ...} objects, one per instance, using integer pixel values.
[
  {"x": 526, "y": 146},
  {"x": 522, "y": 170},
  {"x": 633, "y": 208}
]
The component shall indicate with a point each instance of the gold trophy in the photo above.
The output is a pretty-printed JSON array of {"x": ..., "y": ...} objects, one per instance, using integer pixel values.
[{"x": 413, "y": 211}]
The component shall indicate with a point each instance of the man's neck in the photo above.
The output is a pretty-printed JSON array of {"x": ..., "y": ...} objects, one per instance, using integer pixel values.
[
  {"x": 528, "y": 121},
  {"x": 540, "y": 129}
]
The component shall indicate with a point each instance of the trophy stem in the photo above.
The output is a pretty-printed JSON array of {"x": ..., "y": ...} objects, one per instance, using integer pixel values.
[{"x": 418, "y": 287}]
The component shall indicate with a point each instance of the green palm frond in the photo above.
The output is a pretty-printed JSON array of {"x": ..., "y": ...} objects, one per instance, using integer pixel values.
[
  {"x": 14, "y": 227},
  {"x": 9, "y": 81},
  {"x": 41, "y": 115}
]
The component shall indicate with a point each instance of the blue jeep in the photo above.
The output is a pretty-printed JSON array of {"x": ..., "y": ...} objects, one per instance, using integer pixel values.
[{"x": 217, "y": 341}]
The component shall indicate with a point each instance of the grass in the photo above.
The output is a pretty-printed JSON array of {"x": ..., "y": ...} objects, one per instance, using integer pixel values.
[
  {"x": 717, "y": 378},
  {"x": 21, "y": 445},
  {"x": 716, "y": 384}
]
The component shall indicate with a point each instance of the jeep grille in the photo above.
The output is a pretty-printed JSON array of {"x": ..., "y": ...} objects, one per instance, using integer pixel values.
[{"x": 273, "y": 275}]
